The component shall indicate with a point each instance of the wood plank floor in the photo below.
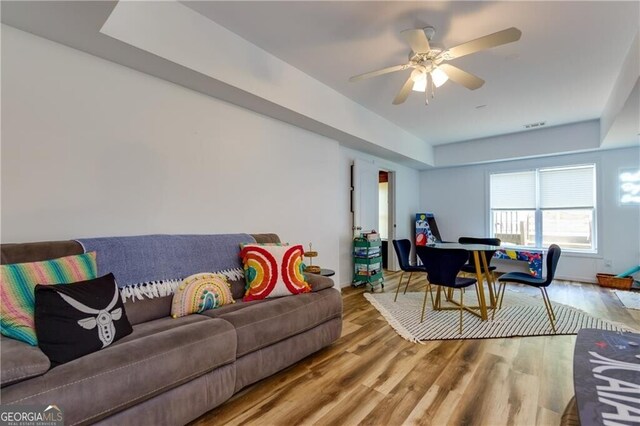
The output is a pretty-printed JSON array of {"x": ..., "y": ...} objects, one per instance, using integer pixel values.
[{"x": 372, "y": 376}]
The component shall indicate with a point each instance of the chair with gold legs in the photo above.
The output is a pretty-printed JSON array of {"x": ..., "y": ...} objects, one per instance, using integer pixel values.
[
  {"x": 403, "y": 251},
  {"x": 442, "y": 267},
  {"x": 553, "y": 255}
]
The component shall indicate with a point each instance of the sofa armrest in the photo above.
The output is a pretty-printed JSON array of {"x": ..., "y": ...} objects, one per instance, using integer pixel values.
[
  {"x": 318, "y": 282},
  {"x": 20, "y": 361}
]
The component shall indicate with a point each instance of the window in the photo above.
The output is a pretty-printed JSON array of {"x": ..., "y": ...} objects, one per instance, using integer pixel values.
[{"x": 537, "y": 208}]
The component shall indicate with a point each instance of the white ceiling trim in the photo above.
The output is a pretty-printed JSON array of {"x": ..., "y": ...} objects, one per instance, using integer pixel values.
[
  {"x": 174, "y": 32},
  {"x": 569, "y": 138}
]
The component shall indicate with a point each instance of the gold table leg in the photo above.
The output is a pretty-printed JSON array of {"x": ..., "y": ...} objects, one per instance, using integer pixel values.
[{"x": 490, "y": 284}]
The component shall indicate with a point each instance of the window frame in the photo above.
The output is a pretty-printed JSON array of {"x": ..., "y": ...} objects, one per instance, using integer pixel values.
[{"x": 538, "y": 211}]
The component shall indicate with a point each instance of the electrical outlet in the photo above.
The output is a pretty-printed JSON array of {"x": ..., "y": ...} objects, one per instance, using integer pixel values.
[{"x": 607, "y": 263}]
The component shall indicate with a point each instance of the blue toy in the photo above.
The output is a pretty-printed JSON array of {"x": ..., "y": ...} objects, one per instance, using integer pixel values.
[{"x": 629, "y": 272}]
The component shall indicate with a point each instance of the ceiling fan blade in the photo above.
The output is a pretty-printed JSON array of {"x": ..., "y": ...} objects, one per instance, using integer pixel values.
[
  {"x": 461, "y": 77},
  {"x": 417, "y": 39},
  {"x": 404, "y": 92},
  {"x": 379, "y": 72},
  {"x": 492, "y": 40}
]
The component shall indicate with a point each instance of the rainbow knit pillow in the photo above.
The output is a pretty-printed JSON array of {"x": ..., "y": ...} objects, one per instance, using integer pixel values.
[
  {"x": 273, "y": 271},
  {"x": 18, "y": 282},
  {"x": 200, "y": 292}
]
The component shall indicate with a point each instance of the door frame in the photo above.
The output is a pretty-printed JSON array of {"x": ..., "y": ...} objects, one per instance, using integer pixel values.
[{"x": 392, "y": 260}]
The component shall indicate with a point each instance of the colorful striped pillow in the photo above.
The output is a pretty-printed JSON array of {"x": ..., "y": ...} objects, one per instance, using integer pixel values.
[
  {"x": 200, "y": 292},
  {"x": 18, "y": 282},
  {"x": 273, "y": 271}
]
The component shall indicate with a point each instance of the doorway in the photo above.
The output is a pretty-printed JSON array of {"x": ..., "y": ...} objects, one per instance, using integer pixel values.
[{"x": 366, "y": 207}]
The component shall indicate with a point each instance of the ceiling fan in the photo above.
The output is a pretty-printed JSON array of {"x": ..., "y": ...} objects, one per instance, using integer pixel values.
[{"x": 429, "y": 71}]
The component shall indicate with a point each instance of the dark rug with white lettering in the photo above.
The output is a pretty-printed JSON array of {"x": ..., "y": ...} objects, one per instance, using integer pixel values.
[{"x": 606, "y": 377}]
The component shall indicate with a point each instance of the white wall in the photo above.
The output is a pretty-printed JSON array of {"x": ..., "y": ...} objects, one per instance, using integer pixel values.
[
  {"x": 459, "y": 198},
  {"x": 407, "y": 203},
  {"x": 91, "y": 148}
]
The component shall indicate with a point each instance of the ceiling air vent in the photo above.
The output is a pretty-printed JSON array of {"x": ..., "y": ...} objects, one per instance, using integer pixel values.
[{"x": 535, "y": 125}]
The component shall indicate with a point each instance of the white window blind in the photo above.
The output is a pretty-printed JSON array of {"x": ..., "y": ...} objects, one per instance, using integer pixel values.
[
  {"x": 513, "y": 190},
  {"x": 567, "y": 188}
]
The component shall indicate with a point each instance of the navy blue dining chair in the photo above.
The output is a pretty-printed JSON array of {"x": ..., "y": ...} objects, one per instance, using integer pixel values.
[
  {"x": 443, "y": 266},
  {"x": 553, "y": 256},
  {"x": 403, "y": 251}
]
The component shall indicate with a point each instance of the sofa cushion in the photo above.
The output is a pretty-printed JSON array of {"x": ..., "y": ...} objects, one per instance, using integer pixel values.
[
  {"x": 141, "y": 311},
  {"x": 215, "y": 313},
  {"x": 35, "y": 252},
  {"x": 238, "y": 288},
  {"x": 20, "y": 361},
  {"x": 182, "y": 404},
  {"x": 318, "y": 282},
  {"x": 132, "y": 370},
  {"x": 262, "y": 324},
  {"x": 159, "y": 325},
  {"x": 269, "y": 360}
]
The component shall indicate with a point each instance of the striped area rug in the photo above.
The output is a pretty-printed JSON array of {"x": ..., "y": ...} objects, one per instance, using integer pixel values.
[
  {"x": 630, "y": 299},
  {"x": 521, "y": 315}
]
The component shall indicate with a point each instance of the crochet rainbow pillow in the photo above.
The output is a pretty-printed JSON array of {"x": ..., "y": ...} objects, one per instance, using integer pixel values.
[
  {"x": 273, "y": 271},
  {"x": 200, "y": 292}
]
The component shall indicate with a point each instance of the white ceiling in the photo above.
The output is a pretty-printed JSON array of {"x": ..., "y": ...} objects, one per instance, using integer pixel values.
[{"x": 561, "y": 71}]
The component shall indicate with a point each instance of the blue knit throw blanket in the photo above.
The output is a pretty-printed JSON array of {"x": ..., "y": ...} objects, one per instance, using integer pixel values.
[{"x": 164, "y": 258}]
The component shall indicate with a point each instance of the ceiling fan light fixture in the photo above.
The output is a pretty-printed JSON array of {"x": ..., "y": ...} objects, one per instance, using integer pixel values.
[
  {"x": 439, "y": 77},
  {"x": 420, "y": 84},
  {"x": 427, "y": 60}
]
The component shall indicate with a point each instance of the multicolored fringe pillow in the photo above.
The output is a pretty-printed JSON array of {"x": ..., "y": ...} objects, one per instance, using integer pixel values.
[
  {"x": 18, "y": 282},
  {"x": 200, "y": 292},
  {"x": 273, "y": 271}
]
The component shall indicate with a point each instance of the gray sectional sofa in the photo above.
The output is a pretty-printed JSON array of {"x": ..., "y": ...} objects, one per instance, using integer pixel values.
[{"x": 170, "y": 371}]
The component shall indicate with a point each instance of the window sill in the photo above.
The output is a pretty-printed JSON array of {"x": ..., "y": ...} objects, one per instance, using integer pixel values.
[
  {"x": 565, "y": 252},
  {"x": 591, "y": 255}
]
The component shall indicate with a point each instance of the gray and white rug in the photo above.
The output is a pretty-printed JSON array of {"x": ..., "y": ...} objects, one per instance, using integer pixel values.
[
  {"x": 630, "y": 299},
  {"x": 521, "y": 315}
]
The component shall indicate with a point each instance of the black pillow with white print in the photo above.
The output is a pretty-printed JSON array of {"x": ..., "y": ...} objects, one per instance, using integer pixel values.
[{"x": 77, "y": 319}]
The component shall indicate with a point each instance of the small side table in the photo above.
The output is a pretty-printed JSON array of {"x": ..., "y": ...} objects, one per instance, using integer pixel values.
[
  {"x": 324, "y": 272},
  {"x": 327, "y": 272}
]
